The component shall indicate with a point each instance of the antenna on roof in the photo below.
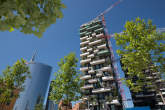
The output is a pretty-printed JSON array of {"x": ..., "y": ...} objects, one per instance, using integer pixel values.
[{"x": 33, "y": 56}]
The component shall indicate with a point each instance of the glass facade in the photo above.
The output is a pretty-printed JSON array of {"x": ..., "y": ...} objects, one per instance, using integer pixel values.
[
  {"x": 51, "y": 105},
  {"x": 35, "y": 87}
]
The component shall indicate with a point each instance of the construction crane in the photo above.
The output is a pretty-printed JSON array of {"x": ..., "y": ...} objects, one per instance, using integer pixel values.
[{"x": 101, "y": 16}]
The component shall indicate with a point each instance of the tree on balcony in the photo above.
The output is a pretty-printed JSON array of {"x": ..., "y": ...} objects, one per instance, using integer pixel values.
[
  {"x": 66, "y": 85},
  {"x": 11, "y": 82},
  {"x": 141, "y": 48}
]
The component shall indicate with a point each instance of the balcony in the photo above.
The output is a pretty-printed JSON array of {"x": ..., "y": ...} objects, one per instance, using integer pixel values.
[
  {"x": 88, "y": 33},
  {"x": 107, "y": 78},
  {"x": 102, "y": 46},
  {"x": 115, "y": 102},
  {"x": 82, "y": 49},
  {"x": 84, "y": 54},
  {"x": 162, "y": 89},
  {"x": 103, "y": 52},
  {"x": 106, "y": 69},
  {"x": 163, "y": 93},
  {"x": 83, "y": 38},
  {"x": 87, "y": 86},
  {"x": 160, "y": 103},
  {"x": 100, "y": 74},
  {"x": 82, "y": 33},
  {"x": 84, "y": 43},
  {"x": 97, "y": 62},
  {"x": 85, "y": 61},
  {"x": 99, "y": 30},
  {"x": 85, "y": 77},
  {"x": 84, "y": 69},
  {"x": 155, "y": 73},
  {"x": 100, "y": 90},
  {"x": 149, "y": 77},
  {"x": 95, "y": 51},
  {"x": 82, "y": 28},
  {"x": 159, "y": 81},
  {"x": 94, "y": 27},
  {"x": 84, "y": 98},
  {"x": 93, "y": 34},
  {"x": 89, "y": 38},
  {"x": 91, "y": 71},
  {"x": 95, "y": 42},
  {"x": 99, "y": 35},
  {"x": 142, "y": 95},
  {"x": 90, "y": 49},
  {"x": 92, "y": 80},
  {"x": 91, "y": 56}
]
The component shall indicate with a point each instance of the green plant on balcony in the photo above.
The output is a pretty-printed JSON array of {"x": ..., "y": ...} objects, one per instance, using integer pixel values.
[{"x": 109, "y": 98}]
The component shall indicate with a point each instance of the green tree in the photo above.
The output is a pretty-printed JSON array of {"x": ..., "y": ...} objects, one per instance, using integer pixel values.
[
  {"x": 39, "y": 105},
  {"x": 29, "y": 16},
  {"x": 66, "y": 86},
  {"x": 141, "y": 47},
  {"x": 11, "y": 82}
]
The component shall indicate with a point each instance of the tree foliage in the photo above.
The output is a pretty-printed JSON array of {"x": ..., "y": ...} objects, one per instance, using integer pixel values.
[
  {"x": 12, "y": 80},
  {"x": 39, "y": 105},
  {"x": 140, "y": 47},
  {"x": 29, "y": 16},
  {"x": 66, "y": 85}
]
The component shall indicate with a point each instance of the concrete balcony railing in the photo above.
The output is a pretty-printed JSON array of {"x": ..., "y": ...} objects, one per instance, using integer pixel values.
[
  {"x": 89, "y": 38},
  {"x": 159, "y": 81},
  {"x": 142, "y": 95},
  {"x": 94, "y": 34},
  {"x": 163, "y": 93},
  {"x": 89, "y": 50},
  {"x": 85, "y": 61},
  {"x": 92, "y": 80},
  {"x": 155, "y": 73},
  {"x": 162, "y": 89},
  {"x": 99, "y": 35},
  {"x": 108, "y": 68},
  {"x": 84, "y": 98},
  {"x": 85, "y": 77},
  {"x": 95, "y": 42},
  {"x": 83, "y": 48},
  {"x": 87, "y": 86},
  {"x": 83, "y": 38},
  {"x": 149, "y": 77},
  {"x": 99, "y": 30},
  {"x": 102, "y": 46},
  {"x": 84, "y": 69},
  {"x": 84, "y": 54},
  {"x": 160, "y": 103},
  {"x": 100, "y": 61},
  {"x": 91, "y": 71},
  {"x": 115, "y": 102},
  {"x": 107, "y": 78},
  {"x": 91, "y": 56},
  {"x": 99, "y": 74},
  {"x": 84, "y": 43},
  {"x": 95, "y": 51},
  {"x": 100, "y": 90}
]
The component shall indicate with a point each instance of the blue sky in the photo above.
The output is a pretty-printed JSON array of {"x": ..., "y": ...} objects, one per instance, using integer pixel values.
[{"x": 63, "y": 37}]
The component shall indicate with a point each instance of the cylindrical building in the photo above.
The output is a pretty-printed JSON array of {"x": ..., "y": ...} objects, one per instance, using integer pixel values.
[{"x": 35, "y": 87}]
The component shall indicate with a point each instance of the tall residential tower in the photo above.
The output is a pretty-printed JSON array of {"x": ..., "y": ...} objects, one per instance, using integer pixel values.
[{"x": 100, "y": 91}]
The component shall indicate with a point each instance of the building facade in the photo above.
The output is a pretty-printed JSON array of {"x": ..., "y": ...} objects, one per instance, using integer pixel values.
[
  {"x": 35, "y": 87},
  {"x": 100, "y": 91}
]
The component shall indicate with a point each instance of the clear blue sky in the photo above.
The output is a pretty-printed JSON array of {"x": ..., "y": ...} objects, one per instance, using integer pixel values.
[{"x": 63, "y": 37}]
